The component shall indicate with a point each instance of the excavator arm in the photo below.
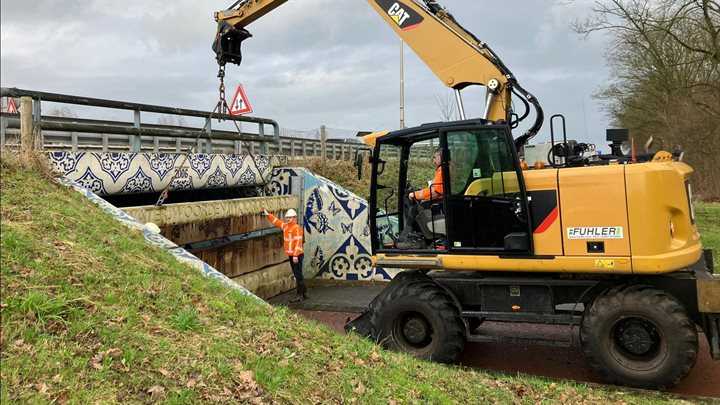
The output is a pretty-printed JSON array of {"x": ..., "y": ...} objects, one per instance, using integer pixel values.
[{"x": 454, "y": 54}]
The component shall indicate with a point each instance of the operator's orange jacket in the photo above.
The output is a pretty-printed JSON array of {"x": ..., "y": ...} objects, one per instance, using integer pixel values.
[
  {"x": 436, "y": 187},
  {"x": 293, "y": 235}
]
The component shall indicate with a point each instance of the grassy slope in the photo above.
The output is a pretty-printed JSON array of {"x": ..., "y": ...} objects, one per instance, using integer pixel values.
[
  {"x": 708, "y": 222},
  {"x": 91, "y": 313}
]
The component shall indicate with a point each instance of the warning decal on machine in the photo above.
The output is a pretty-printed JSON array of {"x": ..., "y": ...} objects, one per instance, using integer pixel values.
[{"x": 595, "y": 232}]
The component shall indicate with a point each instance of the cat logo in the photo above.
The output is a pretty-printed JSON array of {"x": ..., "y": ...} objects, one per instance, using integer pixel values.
[{"x": 405, "y": 17}]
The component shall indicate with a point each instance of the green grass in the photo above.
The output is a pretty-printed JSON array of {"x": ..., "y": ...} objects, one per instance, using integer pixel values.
[
  {"x": 707, "y": 218},
  {"x": 90, "y": 313}
]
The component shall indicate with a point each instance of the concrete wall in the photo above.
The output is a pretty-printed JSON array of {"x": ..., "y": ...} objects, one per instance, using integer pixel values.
[
  {"x": 231, "y": 236},
  {"x": 335, "y": 221}
]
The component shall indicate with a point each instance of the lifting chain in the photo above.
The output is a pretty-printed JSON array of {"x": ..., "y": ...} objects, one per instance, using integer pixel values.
[
  {"x": 222, "y": 103},
  {"x": 222, "y": 109}
]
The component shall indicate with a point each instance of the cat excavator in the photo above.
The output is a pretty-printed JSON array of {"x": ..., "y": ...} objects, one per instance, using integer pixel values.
[{"x": 608, "y": 246}]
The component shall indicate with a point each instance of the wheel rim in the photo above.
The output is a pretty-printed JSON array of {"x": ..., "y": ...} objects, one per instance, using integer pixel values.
[
  {"x": 412, "y": 332},
  {"x": 637, "y": 343}
]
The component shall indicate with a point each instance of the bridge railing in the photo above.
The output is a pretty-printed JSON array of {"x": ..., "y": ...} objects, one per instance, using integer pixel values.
[{"x": 73, "y": 134}]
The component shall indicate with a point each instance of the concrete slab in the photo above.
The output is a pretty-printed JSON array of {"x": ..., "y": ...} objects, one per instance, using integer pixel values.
[{"x": 333, "y": 295}]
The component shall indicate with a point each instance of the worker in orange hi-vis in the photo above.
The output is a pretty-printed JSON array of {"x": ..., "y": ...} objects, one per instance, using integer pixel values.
[
  {"x": 410, "y": 238},
  {"x": 293, "y": 236}
]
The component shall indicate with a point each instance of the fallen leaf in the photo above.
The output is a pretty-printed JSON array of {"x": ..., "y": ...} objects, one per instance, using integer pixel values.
[
  {"x": 360, "y": 362},
  {"x": 190, "y": 383},
  {"x": 156, "y": 390},
  {"x": 115, "y": 353},
  {"x": 374, "y": 357},
  {"x": 62, "y": 398},
  {"x": 360, "y": 389},
  {"x": 164, "y": 372},
  {"x": 96, "y": 361},
  {"x": 42, "y": 388}
]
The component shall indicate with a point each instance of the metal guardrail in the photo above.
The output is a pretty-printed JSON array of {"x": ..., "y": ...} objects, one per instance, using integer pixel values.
[
  {"x": 135, "y": 131},
  {"x": 73, "y": 134}
]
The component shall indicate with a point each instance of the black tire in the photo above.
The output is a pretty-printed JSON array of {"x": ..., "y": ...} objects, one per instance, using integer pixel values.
[
  {"x": 420, "y": 319},
  {"x": 640, "y": 337}
]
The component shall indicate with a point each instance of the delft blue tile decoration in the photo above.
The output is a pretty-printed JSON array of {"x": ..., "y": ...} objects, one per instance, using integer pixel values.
[
  {"x": 126, "y": 173},
  {"x": 179, "y": 253},
  {"x": 337, "y": 233}
]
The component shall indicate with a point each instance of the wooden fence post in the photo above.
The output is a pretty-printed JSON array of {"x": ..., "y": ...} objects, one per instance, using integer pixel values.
[
  {"x": 27, "y": 138},
  {"x": 323, "y": 138}
]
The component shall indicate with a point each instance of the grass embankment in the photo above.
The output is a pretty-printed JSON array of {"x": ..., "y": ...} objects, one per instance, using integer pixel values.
[
  {"x": 92, "y": 314},
  {"x": 707, "y": 216}
]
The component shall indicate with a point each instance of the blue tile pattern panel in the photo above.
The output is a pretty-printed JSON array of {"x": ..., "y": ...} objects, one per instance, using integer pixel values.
[
  {"x": 179, "y": 253},
  {"x": 335, "y": 221},
  {"x": 132, "y": 173}
]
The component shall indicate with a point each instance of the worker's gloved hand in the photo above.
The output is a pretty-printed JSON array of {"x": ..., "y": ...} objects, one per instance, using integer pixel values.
[
  {"x": 295, "y": 259},
  {"x": 264, "y": 212},
  {"x": 411, "y": 196}
]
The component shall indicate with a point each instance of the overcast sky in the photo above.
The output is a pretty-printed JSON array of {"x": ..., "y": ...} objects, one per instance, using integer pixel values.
[{"x": 310, "y": 62}]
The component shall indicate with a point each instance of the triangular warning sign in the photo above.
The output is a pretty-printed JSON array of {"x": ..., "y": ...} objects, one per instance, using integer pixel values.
[
  {"x": 11, "y": 108},
  {"x": 240, "y": 104}
]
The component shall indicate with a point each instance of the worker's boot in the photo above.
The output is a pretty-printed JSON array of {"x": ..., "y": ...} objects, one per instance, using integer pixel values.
[
  {"x": 299, "y": 296},
  {"x": 413, "y": 241},
  {"x": 304, "y": 290}
]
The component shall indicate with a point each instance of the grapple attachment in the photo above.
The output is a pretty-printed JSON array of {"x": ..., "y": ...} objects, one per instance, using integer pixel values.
[{"x": 227, "y": 43}]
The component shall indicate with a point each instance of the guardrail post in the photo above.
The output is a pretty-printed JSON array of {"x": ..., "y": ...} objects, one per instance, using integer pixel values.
[
  {"x": 27, "y": 139},
  {"x": 135, "y": 141},
  {"x": 292, "y": 148},
  {"x": 323, "y": 139},
  {"x": 263, "y": 144},
  {"x": 37, "y": 117},
  {"x": 3, "y": 125},
  {"x": 208, "y": 141},
  {"x": 304, "y": 148}
]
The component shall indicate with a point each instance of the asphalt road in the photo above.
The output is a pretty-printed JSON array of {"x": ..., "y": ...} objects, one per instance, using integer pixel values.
[{"x": 545, "y": 360}]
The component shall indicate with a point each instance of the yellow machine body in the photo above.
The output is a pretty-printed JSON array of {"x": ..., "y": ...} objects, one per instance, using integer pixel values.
[{"x": 644, "y": 223}]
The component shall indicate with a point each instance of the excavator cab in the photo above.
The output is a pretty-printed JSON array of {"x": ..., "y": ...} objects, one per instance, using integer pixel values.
[{"x": 482, "y": 208}]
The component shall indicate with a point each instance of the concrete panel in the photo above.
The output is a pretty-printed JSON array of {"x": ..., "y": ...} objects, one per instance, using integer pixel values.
[
  {"x": 200, "y": 221},
  {"x": 131, "y": 173},
  {"x": 245, "y": 256},
  {"x": 268, "y": 282}
]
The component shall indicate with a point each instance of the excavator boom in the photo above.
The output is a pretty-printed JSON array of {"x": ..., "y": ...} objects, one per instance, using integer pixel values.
[{"x": 454, "y": 54}]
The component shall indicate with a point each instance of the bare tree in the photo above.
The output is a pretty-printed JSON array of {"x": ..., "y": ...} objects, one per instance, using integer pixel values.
[
  {"x": 63, "y": 111},
  {"x": 174, "y": 120},
  {"x": 664, "y": 57},
  {"x": 446, "y": 104}
]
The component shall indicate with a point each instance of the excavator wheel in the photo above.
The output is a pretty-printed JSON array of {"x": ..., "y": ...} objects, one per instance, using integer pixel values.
[
  {"x": 421, "y": 319},
  {"x": 639, "y": 336}
]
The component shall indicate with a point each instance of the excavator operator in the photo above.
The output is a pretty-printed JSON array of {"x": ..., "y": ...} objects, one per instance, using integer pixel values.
[{"x": 427, "y": 198}]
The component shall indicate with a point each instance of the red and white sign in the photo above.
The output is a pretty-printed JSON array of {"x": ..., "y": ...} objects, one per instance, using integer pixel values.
[
  {"x": 11, "y": 107},
  {"x": 240, "y": 104}
]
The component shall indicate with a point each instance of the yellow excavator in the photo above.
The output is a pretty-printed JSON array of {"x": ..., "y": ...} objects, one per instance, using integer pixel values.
[{"x": 610, "y": 246}]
